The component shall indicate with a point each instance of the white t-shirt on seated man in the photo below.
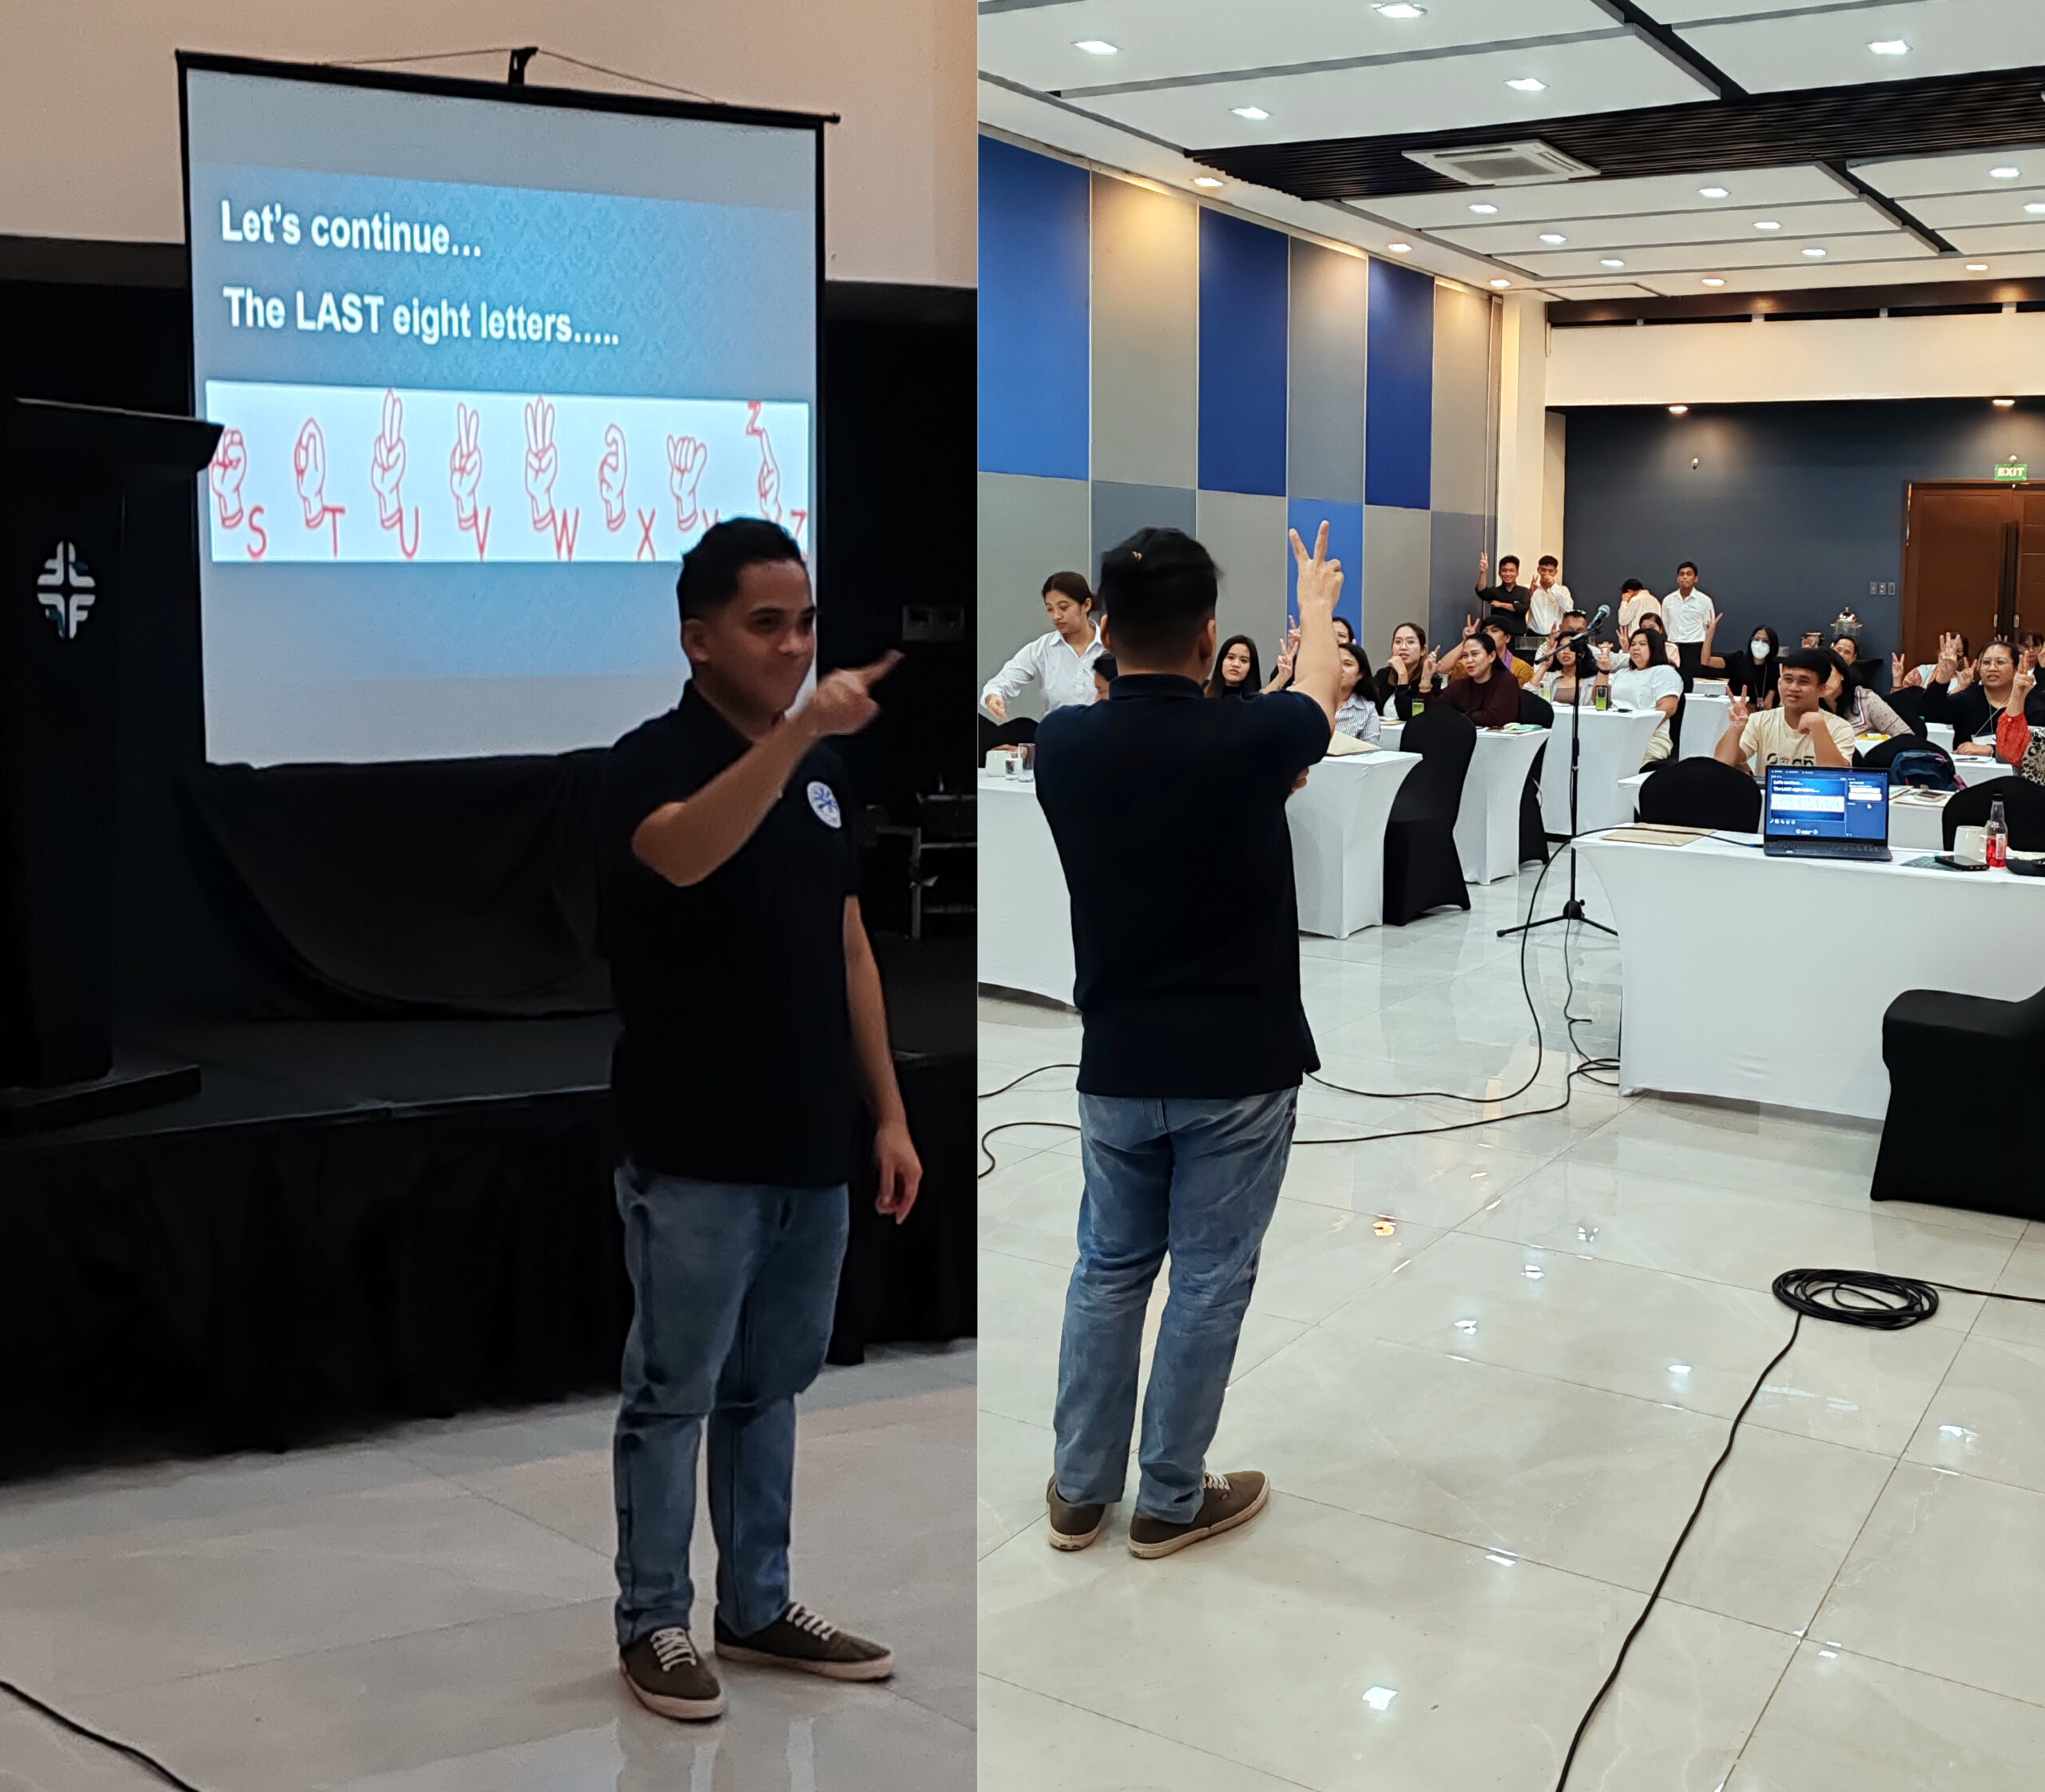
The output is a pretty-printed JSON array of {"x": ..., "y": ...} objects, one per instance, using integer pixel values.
[{"x": 1802, "y": 732}]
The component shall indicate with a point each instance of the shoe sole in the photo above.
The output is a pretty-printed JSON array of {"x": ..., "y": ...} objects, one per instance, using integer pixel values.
[
  {"x": 1151, "y": 1551},
  {"x": 1075, "y": 1540},
  {"x": 683, "y": 1710},
  {"x": 878, "y": 1669}
]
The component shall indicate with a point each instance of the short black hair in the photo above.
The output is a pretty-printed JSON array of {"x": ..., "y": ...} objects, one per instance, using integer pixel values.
[
  {"x": 1508, "y": 560},
  {"x": 1686, "y": 565},
  {"x": 1105, "y": 668},
  {"x": 711, "y": 569},
  {"x": 1497, "y": 625},
  {"x": 1482, "y": 638},
  {"x": 1632, "y": 585},
  {"x": 1071, "y": 585},
  {"x": 1160, "y": 586},
  {"x": 1820, "y": 662},
  {"x": 1548, "y": 560},
  {"x": 1579, "y": 616}
]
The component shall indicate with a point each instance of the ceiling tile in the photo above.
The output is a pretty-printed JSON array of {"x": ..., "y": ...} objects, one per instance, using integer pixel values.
[
  {"x": 1800, "y": 224},
  {"x": 1840, "y": 251},
  {"x": 1919, "y": 177},
  {"x": 1663, "y": 193},
  {"x": 1828, "y": 48}
]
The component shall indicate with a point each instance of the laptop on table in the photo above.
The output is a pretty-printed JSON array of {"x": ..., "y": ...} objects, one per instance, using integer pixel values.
[{"x": 1826, "y": 811}]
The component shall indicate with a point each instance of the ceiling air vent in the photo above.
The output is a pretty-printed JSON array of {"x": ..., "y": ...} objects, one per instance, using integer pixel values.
[{"x": 1502, "y": 165}]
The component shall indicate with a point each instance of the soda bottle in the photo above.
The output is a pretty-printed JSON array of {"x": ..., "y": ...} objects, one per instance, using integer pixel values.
[{"x": 1998, "y": 836}]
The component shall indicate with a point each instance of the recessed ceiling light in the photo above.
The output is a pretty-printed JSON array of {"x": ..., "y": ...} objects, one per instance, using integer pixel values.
[
  {"x": 1553, "y": 237},
  {"x": 1715, "y": 192},
  {"x": 1713, "y": 279},
  {"x": 1814, "y": 254},
  {"x": 1679, "y": 410},
  {"x": 1611, "y": 261},
  {"x": 2005, "y": 174},
  {"x": 1205, "y": 181},
  {"x": 1889, "y": 46},
  {"x": 1250, "y": 111},
  {"x": 2002, "y": 403},
  {"x": 1526, "y": 83},
  {"x": 1501, "y": 284},
  {"x": 1097, "y": 46},
  {"x": 1401, "y": 8},
  {"x": 1484, "y": 210},
  {"x": 1766, "y": 224},
  {"x": 1400, "y": 248},
  {"x": 2035, "y": 209},
  {"x": 1977, "y": 267}
]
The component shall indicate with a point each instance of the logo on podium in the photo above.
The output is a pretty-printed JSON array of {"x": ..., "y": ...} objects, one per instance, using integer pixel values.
[{"x": 65, "y": 591}]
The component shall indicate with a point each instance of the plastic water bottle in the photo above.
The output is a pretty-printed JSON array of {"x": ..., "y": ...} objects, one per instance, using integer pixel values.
[{"x": 1999, "y": 836}]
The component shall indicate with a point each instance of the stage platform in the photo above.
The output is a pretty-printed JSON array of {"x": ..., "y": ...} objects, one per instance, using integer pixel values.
[{"x": 354, "y": 1222}]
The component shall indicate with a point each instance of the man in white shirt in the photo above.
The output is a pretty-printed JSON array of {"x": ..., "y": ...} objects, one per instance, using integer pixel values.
[
  {"x": 1551, "y": 601},
  {"x": 1689, "y": 613}
]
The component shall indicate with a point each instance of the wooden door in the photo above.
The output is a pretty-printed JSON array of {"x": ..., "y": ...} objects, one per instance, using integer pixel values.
[{"x": 1962, "y": 561}]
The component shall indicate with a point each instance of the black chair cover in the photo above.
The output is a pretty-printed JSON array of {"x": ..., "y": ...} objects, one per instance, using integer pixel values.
[
  {"x": 1882, "y": 755},
  {"x": 1702, "y": 793},
  {"x": 1422, "y": 868},
  {"x": 2023, "y": 808},
  {"x": 1533, "y": 831},
  {"x": 1010, "y": 734},
  {"x": 1909, "y": 703}
]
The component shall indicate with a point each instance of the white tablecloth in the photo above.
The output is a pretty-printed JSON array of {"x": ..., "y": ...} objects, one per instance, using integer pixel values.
[
  {"x": 1487, "y": 824},
  {"x": 1613, "y": 741},
  {"x": 1706, "y": 716},
  {"x": 1704, "y": 1015},
  {"x": 1025, "y": 915},
  {"x": 1338, "y": 839},
  {"x": 1939, "y": 734}
]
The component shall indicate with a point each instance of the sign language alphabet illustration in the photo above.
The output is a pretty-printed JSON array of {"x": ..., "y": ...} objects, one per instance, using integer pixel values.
[
  {"x": 230, "y": 467},
  {"x": 308, "y": 459},
  {"x": 769, "y": 484},
  {"x": 687, "y": 457},
  {"x": 542, "y": 462},
  {"x": 610, "y": 478},
  {"x": 387, "y": 473},
  {"x": 465, "y": 473}
]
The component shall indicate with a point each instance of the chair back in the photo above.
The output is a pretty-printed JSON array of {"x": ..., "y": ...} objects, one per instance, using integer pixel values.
[
  {"x": 1444, "y": 738},
  {"x": 2023, "y": 808},
  {"x": 1909, "y": 702},
  {"x": 1010, "y": 734},
  {"x": 1702, "y": 793},
  {"x": 1676, "y": 726},
  {"x": 1884, "y": 753},
  {"x": 1536, "y": 709}
]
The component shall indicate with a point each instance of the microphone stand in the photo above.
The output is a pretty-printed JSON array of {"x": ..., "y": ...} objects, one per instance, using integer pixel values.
[{"x": 1573, "y": 908}]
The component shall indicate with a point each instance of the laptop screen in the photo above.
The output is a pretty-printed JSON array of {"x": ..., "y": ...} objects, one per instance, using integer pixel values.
[{"x": 1827, "y": 802}]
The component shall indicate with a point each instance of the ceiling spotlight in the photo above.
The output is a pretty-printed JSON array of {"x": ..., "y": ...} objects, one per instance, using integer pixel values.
[
  {"x": 2002, "y": 403},
  {"x": 1679, "y": 410},
  {"x": 1526, "y": 83},
  {"x": 1889, "y": 46},
  {"x": 1401, "y": 8},
  {"x": 1977, "y": 267},
  {"x": 1484, "y": 210},
  {"x": 1554, "y": 237},
  {"x": 1205, "y": 181},
  {"x": 1400, "y": 248},
  {"x": 1715, "y": 192},
  {"x": 1501, "y": 285},
  {"x": 1713, "y": 279},
  {"x": 1766, "y": 224},
  {"x": 2005, "y": 174},
  {"x": 1254, "y": 112},
  {"x": 1611, "y": 261},
  {"x": 1814, "y": 254},
  {"x": 1097, "y": 46}
]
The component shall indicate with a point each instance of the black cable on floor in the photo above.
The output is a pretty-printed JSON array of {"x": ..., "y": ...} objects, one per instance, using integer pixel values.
[
  {"x": 77, "y": 1729},
  {"x": 1862, "y": 1298}
]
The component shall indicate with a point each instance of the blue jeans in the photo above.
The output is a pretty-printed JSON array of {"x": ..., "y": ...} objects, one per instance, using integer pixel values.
[
  {"x": 734, "y": 1289},
  {"x": 1198, "y": 1179}
]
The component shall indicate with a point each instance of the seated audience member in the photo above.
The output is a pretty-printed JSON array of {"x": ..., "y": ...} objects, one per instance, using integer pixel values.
[
  {"x": 1344, "y": 635},
  {"x": 1969, "y": 697},
  {"x": 2017, "y": 741},
  {"x": 1919, "y": 678},
  {"x": 1501, "y": 633},
  {"x": 1855, "y": 704},
  {"x": 1506, "y": 600},
  {"x": 1399, "y": 680},
  {"x": 1356, "y": 714},
  {"x": 1061, "y": 662},
  {"x": 1571, "y": 662},
  {"x": 1849, "y": 650},
  {"x": 1799, "y": 731},
  {"x": 1635, "y": 601},
  {"x": 1549, "y": 600},
  {"x": 1647, "y": 681},
  {"x": 1236, "y": 671},
  {"x": 1486, "y": 693},
  {"x": 1573, "y": 622},
  {"x": 1104, "y": 676},
  {"x": 1750, "y": 670}
]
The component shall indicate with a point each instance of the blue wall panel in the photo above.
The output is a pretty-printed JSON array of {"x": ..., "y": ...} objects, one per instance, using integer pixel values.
[
  {"x": 1243, "y": 303},
  {"x": 1399, "y": 392},
  {"x": 1345, "y": 543},
  {"x": 1034, "y": 316}
]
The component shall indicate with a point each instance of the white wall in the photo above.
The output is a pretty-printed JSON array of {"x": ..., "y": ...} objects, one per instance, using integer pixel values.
[
  {"x": 89, "y": 97},
  {"x": 1999, "y": 354}
]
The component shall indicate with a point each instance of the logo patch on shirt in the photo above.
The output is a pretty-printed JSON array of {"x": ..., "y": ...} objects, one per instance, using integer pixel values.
[{"x": 825, "y": 804}]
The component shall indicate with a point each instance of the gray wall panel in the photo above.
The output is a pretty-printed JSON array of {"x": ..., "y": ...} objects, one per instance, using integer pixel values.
[
  {"x": 1325, "y": 432},
  {"x": 1246, "y": 535},
  {"x": 1146, "y": 335},
  {"x": 1397, "y": 553},
  {"x": 1463, "y": 408},
  {"x": 1028, "y": 529},
  {"x": 1456, "y": 538},
  {"x": 1120, "y": 511}
]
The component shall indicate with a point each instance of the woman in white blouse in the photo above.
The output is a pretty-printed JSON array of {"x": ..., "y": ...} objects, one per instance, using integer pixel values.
[
  {"x": 1061, "y": 662},
  {"x": 1646, "y": 681}
]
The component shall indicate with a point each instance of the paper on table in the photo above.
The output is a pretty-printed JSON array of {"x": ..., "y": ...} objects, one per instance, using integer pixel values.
[{"x": 1657, "y": 834}]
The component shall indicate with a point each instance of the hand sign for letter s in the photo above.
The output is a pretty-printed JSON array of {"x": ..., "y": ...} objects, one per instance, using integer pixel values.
[{"x": 230, "y": 467}]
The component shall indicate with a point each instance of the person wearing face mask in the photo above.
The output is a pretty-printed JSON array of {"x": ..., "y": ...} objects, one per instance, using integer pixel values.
[{"x": 1750, "y": 671}]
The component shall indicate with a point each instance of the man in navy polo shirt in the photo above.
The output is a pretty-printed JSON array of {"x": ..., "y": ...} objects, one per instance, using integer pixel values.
[{"x": 1169, "y": 815}]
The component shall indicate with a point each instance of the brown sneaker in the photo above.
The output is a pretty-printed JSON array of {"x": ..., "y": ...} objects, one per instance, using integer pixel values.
[
  {"x": 1072, "y": 1526},
  {"x": 801, "y": 1639},
  {"x": 667, "y": 1675},
  {"x": 1228, "y": 1501}
]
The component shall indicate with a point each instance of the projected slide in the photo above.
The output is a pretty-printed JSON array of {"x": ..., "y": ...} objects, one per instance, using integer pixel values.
[{"x": 486, "y": 371}]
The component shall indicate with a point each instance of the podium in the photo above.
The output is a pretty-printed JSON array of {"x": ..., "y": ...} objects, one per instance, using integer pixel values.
[{"x": 66, "y": 472}]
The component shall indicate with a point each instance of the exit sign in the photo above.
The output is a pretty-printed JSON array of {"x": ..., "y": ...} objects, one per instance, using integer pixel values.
[{"x": 2013, "y": 469}]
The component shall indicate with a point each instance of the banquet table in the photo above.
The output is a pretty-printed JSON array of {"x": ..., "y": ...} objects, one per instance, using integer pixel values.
[
  {"x": 1690, "y": 1028},
  {"x": 1613, "y": 741},
  {"x": 1337, "y": 824},
  {"x": 1707, "y": 714},
  {"x": 1025, "y": 913},
  {"x": 1487, "y": 824}
]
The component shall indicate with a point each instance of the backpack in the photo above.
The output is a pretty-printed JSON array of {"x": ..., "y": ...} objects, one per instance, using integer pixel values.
[{"x": 1925, "y": 768}]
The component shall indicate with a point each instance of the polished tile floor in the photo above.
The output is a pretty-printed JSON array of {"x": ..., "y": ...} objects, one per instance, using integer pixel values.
[
  {"x": 429, "y": 1612},
  {"x": 1487, "y": 1372}
]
